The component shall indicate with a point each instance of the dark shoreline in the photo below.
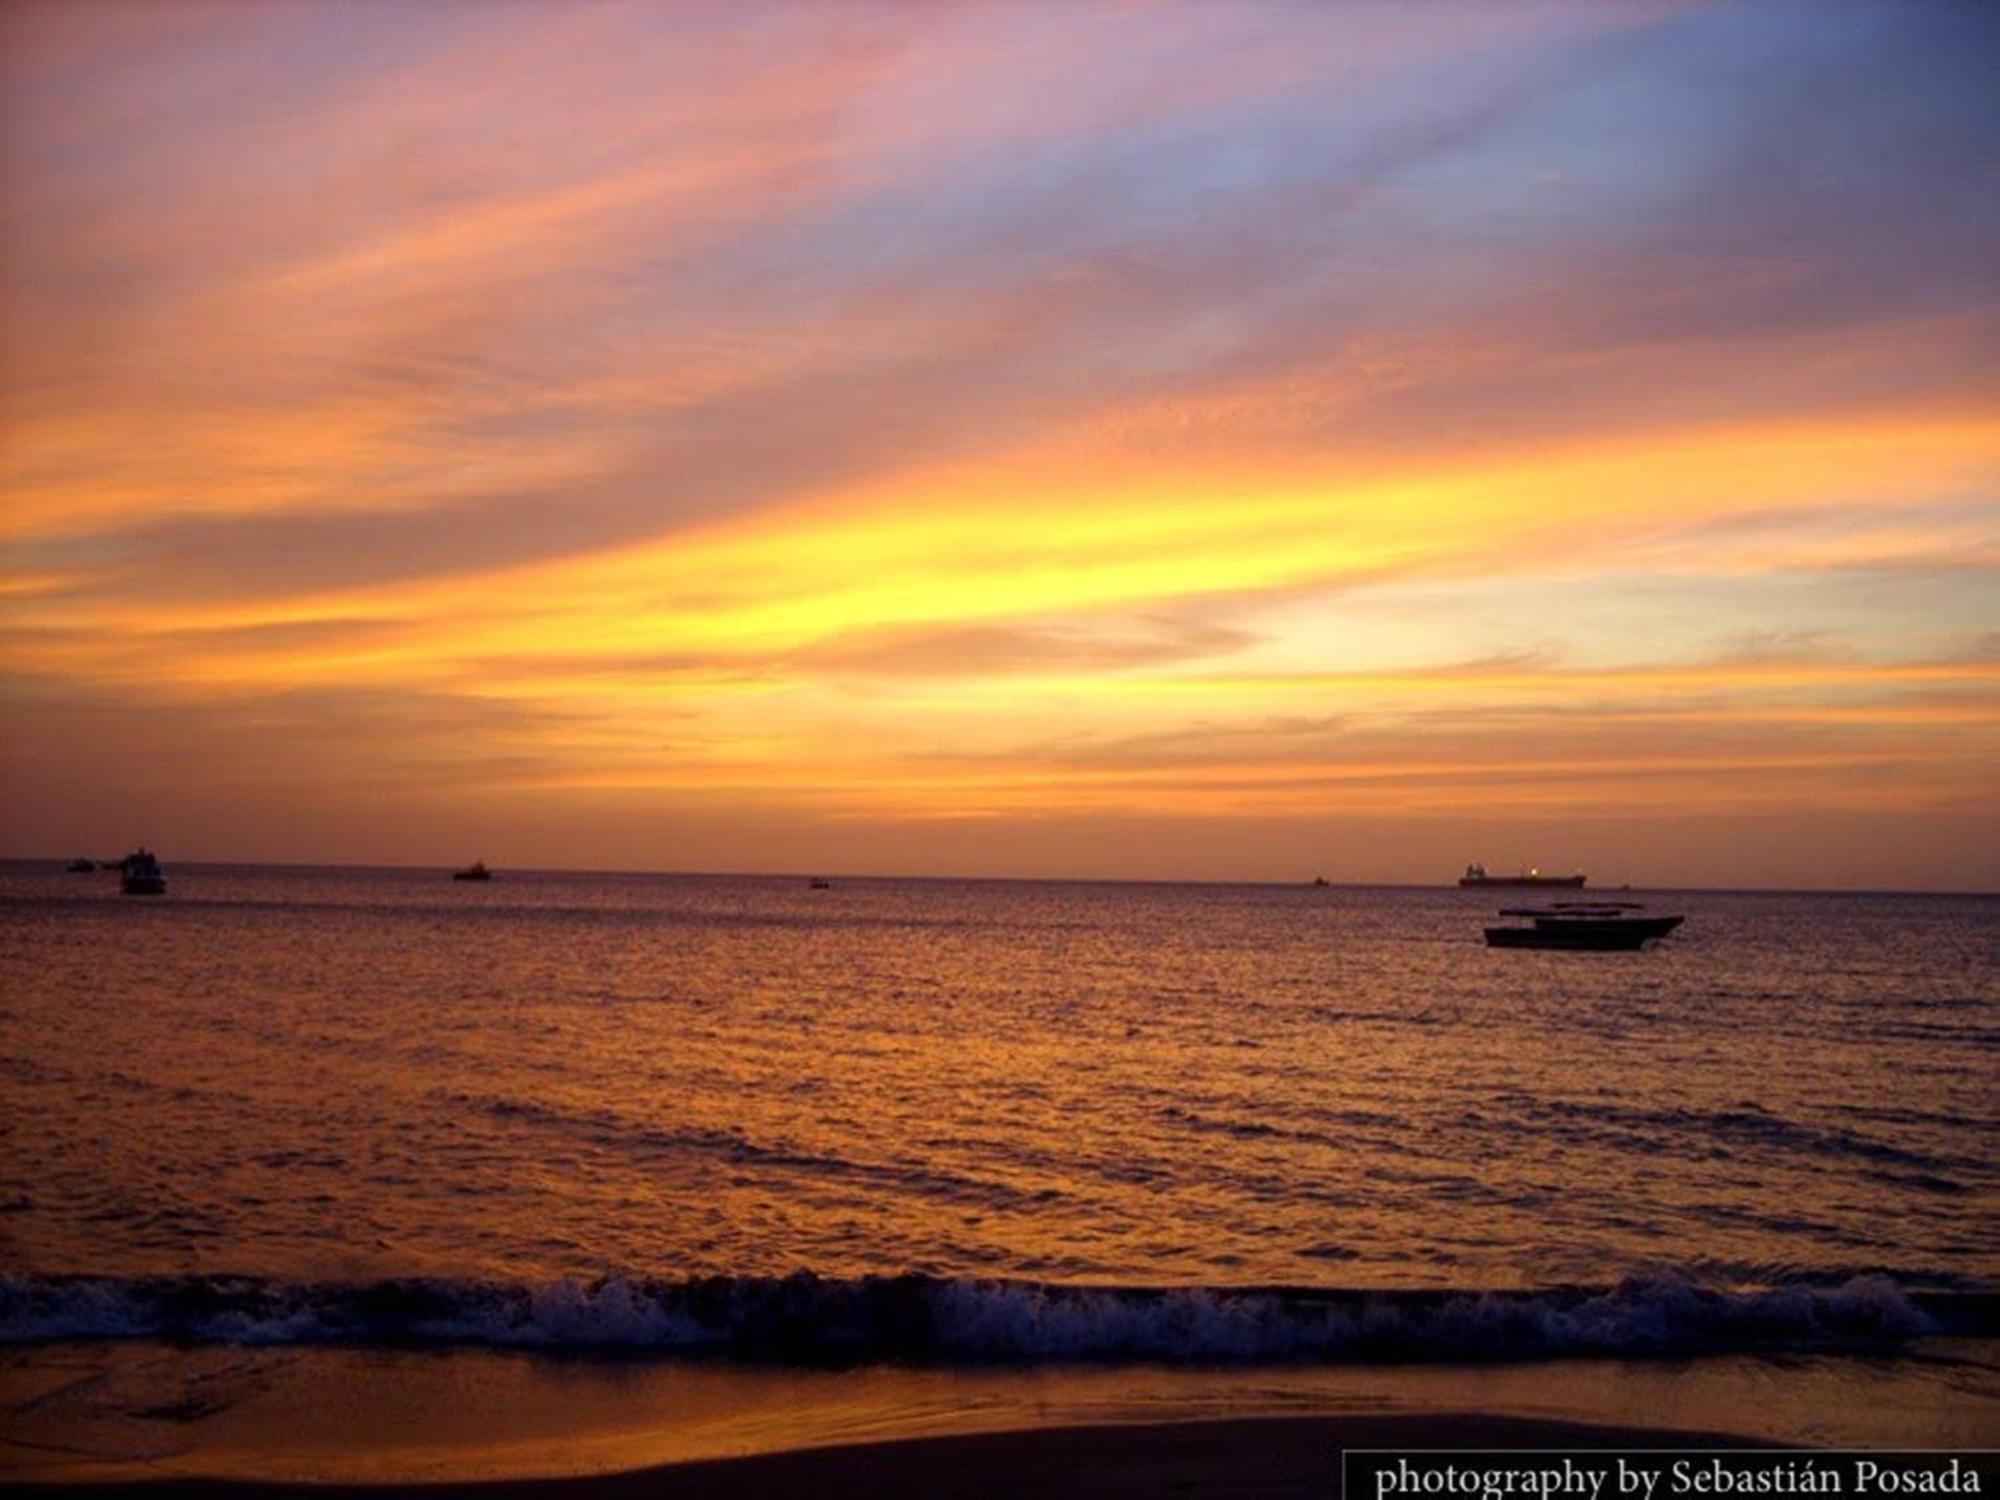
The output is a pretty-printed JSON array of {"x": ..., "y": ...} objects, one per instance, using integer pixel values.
[{"x": 1262, "y": 1456}]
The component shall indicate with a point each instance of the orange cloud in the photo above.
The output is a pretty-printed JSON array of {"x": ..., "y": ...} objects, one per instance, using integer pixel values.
[{"x": 825, "y": 410}]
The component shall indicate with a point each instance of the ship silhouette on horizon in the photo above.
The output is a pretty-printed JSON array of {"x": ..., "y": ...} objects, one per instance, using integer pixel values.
[{"x": 1475, "y": 877}]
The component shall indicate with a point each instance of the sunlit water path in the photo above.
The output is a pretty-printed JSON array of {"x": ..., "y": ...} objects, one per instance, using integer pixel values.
[{"x": 541, "y": 1108}]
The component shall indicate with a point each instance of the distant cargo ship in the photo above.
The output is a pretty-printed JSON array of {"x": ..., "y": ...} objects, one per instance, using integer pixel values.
[{"x": 1475, "y": 875}]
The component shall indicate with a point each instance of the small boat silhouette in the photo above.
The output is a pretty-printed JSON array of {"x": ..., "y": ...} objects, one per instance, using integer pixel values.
[
  {"x": 1602, "y": 926},
  {"x": 139, "y": 874},
  {"x": 475, "y": 871}
]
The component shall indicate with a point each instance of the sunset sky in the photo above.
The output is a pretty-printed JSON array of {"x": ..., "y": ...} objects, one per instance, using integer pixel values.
[{"x": 1140, "y": 440}]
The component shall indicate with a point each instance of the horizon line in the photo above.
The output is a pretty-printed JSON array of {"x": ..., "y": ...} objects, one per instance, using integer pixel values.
[{"x": 1307, "y": 883}]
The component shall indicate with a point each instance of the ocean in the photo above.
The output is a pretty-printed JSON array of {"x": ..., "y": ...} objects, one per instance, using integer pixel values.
[{"x": 967, "y": 1124}]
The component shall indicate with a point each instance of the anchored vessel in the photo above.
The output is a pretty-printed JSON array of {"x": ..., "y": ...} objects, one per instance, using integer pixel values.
[
  {"x": 1599, "y": 925},
  {"x": 1475, "y": 875},
  {"x": 475, "y": 871},
  {"x": 139, "y": 874}
]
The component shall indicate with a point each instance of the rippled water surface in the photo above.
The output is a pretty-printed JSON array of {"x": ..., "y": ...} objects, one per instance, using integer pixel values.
[{"x": 348, "y": 1075}]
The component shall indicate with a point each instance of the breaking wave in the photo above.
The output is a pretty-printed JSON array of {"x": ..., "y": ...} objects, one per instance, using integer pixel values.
[{"x": 809, "y": 1319}]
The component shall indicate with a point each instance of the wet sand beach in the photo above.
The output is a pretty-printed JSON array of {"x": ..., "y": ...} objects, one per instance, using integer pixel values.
[
  {"x": 1269, "y": 1456},
  {"x": 385, "y": 1420}
]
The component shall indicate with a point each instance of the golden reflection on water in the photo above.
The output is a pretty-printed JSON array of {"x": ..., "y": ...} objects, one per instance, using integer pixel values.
[{"x": 352, "y": 1075}]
